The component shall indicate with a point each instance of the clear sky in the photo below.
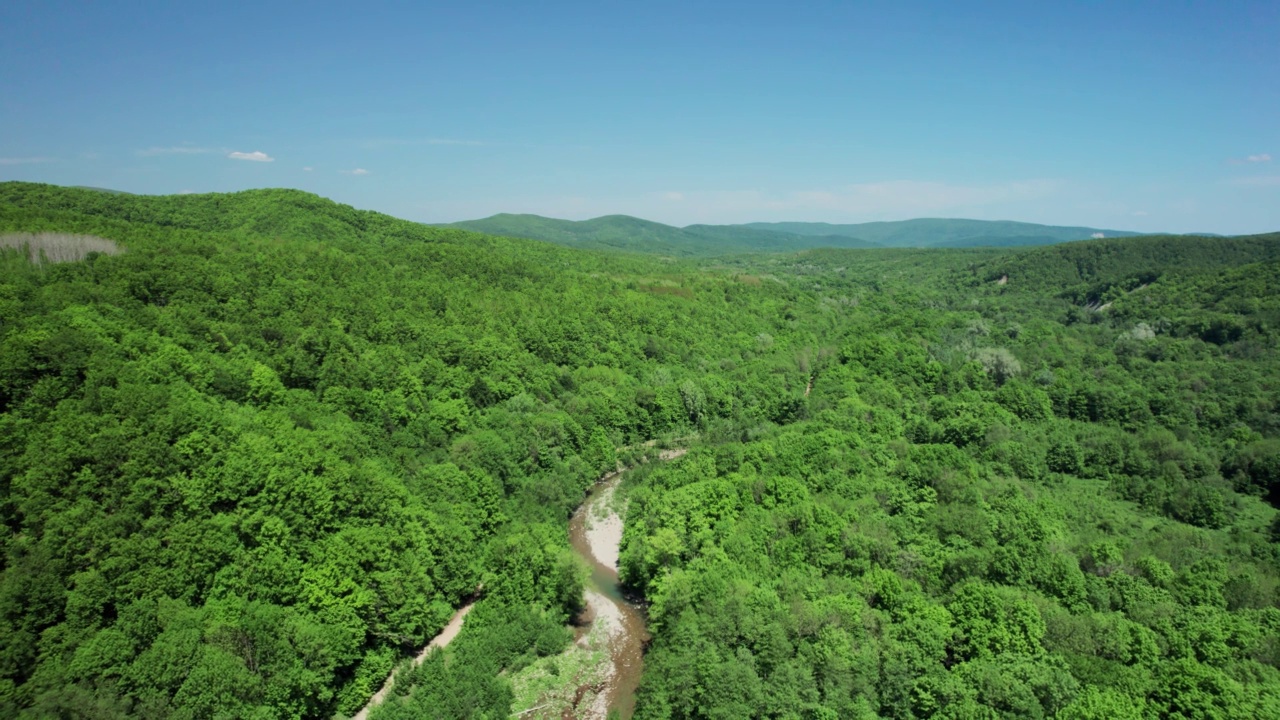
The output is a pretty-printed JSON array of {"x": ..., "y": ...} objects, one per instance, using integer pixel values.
[{"x": 1125, "y": 115}]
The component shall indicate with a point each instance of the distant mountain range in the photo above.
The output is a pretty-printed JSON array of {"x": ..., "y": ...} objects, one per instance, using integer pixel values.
[
  {"x": 622, "y": 232},
  {"x": 947, "y": 232}
]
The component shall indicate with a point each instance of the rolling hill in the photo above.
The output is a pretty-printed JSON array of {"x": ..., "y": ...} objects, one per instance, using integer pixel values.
[
  {"x": 251, "y": 465},
  {"x": 622, "y": 232},
  {"x": 1148, "y": 256},
  {"x": 946, "y": 232}
]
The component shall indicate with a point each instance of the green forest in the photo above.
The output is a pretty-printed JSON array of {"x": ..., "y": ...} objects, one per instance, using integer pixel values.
[
  {"x": 256, "y": 448},
  {"x": 630, "y": 234}
]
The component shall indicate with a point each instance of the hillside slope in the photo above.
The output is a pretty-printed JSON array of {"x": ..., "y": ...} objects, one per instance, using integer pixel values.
[
  {"x": 1098, "y": 271},
  {"x": 255, "y": 459},
  {"x": 622, "y": 232}
]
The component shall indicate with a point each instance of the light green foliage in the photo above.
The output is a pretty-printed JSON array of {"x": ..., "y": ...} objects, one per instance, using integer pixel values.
[
  {"x": 341, "y": 421},
  {"x": 987, "y": 529},
  {"x": 249, "y": 465},
  {"x": 990, "y": 623},
  {"x": 999, "y": 363},
  {"x": 1102, "y": 704}
]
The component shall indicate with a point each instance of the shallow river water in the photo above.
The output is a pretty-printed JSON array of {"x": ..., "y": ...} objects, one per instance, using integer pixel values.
[{"x": 595, "y": 532}]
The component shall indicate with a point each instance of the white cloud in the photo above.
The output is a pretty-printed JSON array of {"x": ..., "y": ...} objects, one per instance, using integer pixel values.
[
  {"x": 1248, "y": 159},
  {"x": 255, "y": 156},
  {"x": 673, "y": 196},
  {"x": 175, "y": 150},
  {"x": 307, "y": 169},
  {"x": 1257, "y": 181},
  {"x": 357, "y": 171},
  {"x": 25, "y": 160}
]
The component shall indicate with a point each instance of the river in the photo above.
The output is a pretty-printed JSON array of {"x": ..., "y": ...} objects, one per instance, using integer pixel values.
[{"x": 595, "y": 532}]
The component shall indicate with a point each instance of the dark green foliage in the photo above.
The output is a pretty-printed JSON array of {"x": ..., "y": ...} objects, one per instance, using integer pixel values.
[{"x": 1255, "y": 468}]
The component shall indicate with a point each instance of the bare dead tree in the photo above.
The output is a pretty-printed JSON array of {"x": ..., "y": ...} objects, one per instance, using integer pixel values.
[{"x": 50, "y": 247}]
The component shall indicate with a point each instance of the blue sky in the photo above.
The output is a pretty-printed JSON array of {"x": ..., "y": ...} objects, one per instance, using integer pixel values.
[{"x": 1126, "y": 115}]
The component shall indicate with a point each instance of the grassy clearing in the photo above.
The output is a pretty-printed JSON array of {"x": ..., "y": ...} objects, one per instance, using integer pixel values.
[{"x": 547, "y": 687}]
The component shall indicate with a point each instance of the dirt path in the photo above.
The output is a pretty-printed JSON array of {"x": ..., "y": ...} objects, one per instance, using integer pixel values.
[{"x": 445, "y": 637}]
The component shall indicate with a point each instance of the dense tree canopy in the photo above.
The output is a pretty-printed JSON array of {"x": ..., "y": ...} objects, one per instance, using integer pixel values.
[{"x": 253, "y": 460}]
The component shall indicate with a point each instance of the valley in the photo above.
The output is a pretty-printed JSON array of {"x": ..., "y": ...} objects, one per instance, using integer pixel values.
[
  {"x": 258, "y": 450},
  {"x": 630, "y": 234}
]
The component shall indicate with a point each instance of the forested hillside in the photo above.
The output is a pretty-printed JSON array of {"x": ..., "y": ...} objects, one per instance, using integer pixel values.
[
  {"x": 1098, "y": 270},
  {"x": 265, "y": 450},
  {"x": 259, "y": 455},
  {"x": 995, "y": 505},
  {"x": 621, "y": 232}
]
